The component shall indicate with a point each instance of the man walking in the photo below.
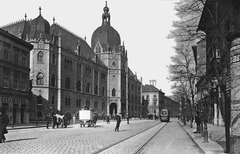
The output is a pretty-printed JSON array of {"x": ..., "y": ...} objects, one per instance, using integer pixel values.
[
  {"x": 118, "y": 119},
  {"x": 47, "y": 120}
]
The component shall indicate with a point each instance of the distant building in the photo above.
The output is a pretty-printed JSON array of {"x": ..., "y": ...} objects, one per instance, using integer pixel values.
[
  {"x": 14, "y": 77},
  {"x": 155, "y": 99}
]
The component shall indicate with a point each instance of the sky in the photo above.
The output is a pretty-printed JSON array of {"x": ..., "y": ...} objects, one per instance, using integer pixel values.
[{"x": 143, "y": 25}]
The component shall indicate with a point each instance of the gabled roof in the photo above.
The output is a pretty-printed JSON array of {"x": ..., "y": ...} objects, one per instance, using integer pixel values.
[
  {"x": 206, "y": 19},
  {"x": 149, "y": 88}
]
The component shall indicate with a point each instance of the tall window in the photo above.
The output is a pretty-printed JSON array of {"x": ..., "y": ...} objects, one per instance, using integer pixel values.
[
  {"x": 88, "y": 88},
  {"x": 39, "y": 100},
  {"x": 78, "y": 103},
  {"x": 53, "y": 59},
  {"x": 78, "y": 85},
  {"x": 88, "y": 104},
  {"x": 24, "y": 59},
  {"x": 40, "y": 57},
  {"x": 6, "y": 51},
  {"x": 103, "y": 91},
  {"x": 24, "y": 82},
  {"x": 16, "y": 57},
  {"x": 6, "y": 76},
  {"x": 103, "y": 106},
  {"x": 96, "y": 105},
  {"x": 96, "y": 89},
  {"x": 53, "y": 80},
  {"x": 113, "y": 92},
  {"x": 53, "y": 99},
  {"x": 67, "y": 83},
  {"x": 40, "y": 79}
]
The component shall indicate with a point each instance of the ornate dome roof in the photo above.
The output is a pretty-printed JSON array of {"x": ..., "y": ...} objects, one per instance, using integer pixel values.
[
  {"x": 39, "y": 27},
  {"x": 106, "y": 34}
]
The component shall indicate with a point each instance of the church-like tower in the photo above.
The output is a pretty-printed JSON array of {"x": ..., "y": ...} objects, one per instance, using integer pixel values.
[{"x": 106, "y": 43}]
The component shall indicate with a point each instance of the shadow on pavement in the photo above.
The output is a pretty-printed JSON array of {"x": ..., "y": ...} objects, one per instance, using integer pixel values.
[{"x": 23, "y": 139}]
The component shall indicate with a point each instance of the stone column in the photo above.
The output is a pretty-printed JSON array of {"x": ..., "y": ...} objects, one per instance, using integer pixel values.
[
  {"x": 59, "y": 85},
  {"x": 234, "y": 39}
]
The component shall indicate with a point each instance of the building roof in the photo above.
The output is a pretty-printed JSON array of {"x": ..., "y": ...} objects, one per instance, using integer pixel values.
[
  {"x": 106, "y": 34},
  {"x": 9, "y": 35},
  {"x": 149, "y": 88}
]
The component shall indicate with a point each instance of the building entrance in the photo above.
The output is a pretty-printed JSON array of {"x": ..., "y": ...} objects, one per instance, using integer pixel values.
[{"x": 113, "y": 109}]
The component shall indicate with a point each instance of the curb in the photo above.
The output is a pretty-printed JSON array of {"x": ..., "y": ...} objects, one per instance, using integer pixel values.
[{"x": 192, "y": 138}]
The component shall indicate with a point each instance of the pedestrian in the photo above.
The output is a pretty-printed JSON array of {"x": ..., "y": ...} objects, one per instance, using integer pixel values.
[
  {"x": 95, "y": 118},
  {"x": 198, "y": 122},
  {"x": 118, "y": 119},
  {"x": 74, "y": 119},
  {"x": 108, "y": 119},
  {"x": 127, "y": 119},
  {"x": 4, "y": 120},
  {"x": 47, "y": 120}
]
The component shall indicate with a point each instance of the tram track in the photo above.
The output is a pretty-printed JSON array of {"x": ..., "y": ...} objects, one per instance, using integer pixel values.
[{"x": 125, "y": 144}]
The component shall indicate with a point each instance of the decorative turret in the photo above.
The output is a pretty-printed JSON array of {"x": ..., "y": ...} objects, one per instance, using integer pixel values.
[
  {"x": 106, "y": 35},
  {"x": 39, "y": 28}
]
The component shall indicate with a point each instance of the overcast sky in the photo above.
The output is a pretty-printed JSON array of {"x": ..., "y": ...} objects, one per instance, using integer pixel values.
[{"x": 142, "y": 24}]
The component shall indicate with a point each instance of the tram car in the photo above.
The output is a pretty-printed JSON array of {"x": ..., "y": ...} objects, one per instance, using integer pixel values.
[
  {"x": 86, "y": 118},
  {"x": 165, "y": 115}
]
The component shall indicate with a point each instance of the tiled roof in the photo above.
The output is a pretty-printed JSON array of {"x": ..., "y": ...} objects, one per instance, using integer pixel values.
[
  {"x": 149, "y": 88},
  {"x": 71, "y": 41}
]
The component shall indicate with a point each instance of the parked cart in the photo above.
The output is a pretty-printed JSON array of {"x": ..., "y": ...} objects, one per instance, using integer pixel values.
[{"x": 86, "y": 118}]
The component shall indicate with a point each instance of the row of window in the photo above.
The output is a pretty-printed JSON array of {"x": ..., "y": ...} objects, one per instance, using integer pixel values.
[
  {"x": 19, "y": 56},
  {"x": 40, "y": 81},
  {"x": 68, "y": 102},
  {"x": 69, "y": 64},
  {"x": 19, "y": 82}
]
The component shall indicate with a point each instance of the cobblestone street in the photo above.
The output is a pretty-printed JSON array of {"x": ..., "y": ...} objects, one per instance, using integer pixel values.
[{"x": 72, "y": 139}]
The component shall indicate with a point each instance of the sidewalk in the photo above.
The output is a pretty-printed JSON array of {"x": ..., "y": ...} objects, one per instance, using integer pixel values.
[{"x": 216, "y": 138}]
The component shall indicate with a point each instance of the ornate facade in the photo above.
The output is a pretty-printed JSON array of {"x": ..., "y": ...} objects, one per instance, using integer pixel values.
[{"x": 67, "y": 74}]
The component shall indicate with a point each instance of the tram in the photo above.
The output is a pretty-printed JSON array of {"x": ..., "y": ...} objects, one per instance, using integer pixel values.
[{"x": 165, "y": 115}]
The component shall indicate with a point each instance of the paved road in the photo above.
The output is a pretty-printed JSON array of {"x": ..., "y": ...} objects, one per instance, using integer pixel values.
[
  {"x": 172, "y": 139},
  {"x": 76, "y": 140},
  {"x": 71, "y": 140}
]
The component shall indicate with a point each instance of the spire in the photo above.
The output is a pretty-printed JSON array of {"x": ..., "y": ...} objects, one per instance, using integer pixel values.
[
  {"x": 25, "y": 16},
  {"x": 53, "y": 20},
  {"x": 106, "y": 15},
  {"x": 40, "y": 10}
]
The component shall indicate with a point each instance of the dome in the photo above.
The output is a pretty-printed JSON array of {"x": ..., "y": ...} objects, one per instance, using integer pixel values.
[
  {"x": 39, "y": 26},
  {"x": 106, "y": 34}
]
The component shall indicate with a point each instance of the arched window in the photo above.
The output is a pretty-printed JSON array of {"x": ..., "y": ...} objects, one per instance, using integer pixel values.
[
  {"x": 40, "y": 79},
  {"x": 40, "y": 56},
  {"x": 67, "y": 83},
  {"x": 113, "y": 92},
  {"x": 53, "y": 59},
  {"x": 78, "y": 86},
  {"x": 88, "y": 88},
  {"x": 39, "y": 100},
  {"x": 66, "y": 101},
  {"x": 39, "y": 114},
  {"x": 53, "y": 80}
]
